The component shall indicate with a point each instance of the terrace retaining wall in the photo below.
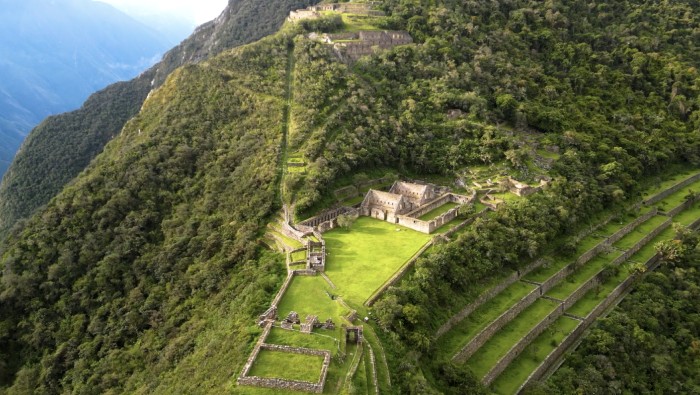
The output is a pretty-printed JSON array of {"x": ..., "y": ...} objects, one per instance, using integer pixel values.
[
  {"x": 518, "y": 348},
  {"x": 485, "y": 334},
  {"x": 644, "y": 241},
  {"x": 486, "y": 296},
  {"x": 554, "y": 356},
  {"x": 671, "y": 190},
  {"x": 683, "y": 206}
]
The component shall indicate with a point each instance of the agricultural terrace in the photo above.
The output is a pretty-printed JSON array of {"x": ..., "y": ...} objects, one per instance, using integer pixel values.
[{"x": 361, "y": 258}]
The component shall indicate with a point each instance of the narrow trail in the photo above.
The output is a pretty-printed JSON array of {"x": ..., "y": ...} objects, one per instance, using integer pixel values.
[{"x": 286, "y": 120}]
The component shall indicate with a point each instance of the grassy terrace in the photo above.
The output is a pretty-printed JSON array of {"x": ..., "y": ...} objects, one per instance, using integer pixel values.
[
  {"x": 486, "y": 357},
  {"x": 678, "y": 197},
  {"x": 518, "y": 371},
  {"x": 298, "y": 256},
  {"x": 432, "y": 214},
  {"x": 596, "y": 295},
  {"x": 291, "y": 243},
  {"x": 570, "y": 284},
  {"x": 639, "y": 232},
  {"x": 297, "y": 339},
  {"x": 283, "y": 365},
  {"x": 558, "y": 262},
  {"x": 688, "y": 216},
  {"x": 307, "y": 295},
  {"x": 669, "y": 181},
  {"x": 465, "y": 330},
  {"x": 362, "y": 258}
]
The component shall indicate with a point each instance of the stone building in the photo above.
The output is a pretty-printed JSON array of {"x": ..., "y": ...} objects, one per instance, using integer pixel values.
[
  {"x": 303, "y": 14},
  {"x": 384, "y": 205}
]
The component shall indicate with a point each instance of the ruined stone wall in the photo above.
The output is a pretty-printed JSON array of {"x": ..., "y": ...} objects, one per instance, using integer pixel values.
[
  {"x": 428, "y": 207},
  {"x": 496, "y": 325},
  {"x": 414, "y": 223},
  {"x": 518, "y": 348},
  {"x": 256, "y": 349},
  {"x": 325, "y": 216},
  {"x": 486, "y": 296}
]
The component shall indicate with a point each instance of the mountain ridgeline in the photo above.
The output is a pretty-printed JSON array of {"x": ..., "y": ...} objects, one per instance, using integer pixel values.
[
  {"x": 145, "y": 273},
  {"x": 56, "y": 53},
  {"x": 62, "y": 146}
]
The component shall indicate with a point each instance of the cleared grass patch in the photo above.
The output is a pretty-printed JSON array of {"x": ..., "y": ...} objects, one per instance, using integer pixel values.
[
  {"x": 291, "y": 243},
  {"x": 519, "y": 370},
  {"x": 360, "y": 259},
  {"x": 486, "y": 357},
  {"x": 453, "y": 341},
  {"x": 283, "y": 365},
  {"x": 648, "y": 250},
  {"x": 307, "y": 296},
  {"x": 432, "y": 214}
]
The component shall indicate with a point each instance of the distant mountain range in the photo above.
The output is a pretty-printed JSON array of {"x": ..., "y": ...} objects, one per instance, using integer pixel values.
[{"x": 55, "y": 53}]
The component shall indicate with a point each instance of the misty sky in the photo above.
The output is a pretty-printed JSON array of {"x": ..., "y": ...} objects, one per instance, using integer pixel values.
[{"x": 197, "y": 11}]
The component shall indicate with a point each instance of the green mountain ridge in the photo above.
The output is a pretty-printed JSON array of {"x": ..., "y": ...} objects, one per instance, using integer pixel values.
[
  {"x": 146, "y": 272},
  {"x": 62, "y": 146}
]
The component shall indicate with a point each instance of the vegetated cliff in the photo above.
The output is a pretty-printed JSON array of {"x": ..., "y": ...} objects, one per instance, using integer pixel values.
[
  {"x": 61, "y": 146},
  {"x": 144, "y": 274}
]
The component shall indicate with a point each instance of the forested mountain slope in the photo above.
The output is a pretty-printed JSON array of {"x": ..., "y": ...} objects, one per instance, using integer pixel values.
[
  {"x": 60, "y": 147},
  {"x": 145, "y": 273}
]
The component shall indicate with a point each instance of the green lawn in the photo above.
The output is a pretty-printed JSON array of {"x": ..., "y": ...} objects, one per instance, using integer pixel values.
[
  {"x": 319, "y": 340},
  {"x": 518, "y": 371},
  {"x": 450, "y": 225},
  {"x": 298, "y": 256},
  {"x": 639, "y": 232},
  {"x": 432, "y": 214},
  {"x": 360, "y": 259},
  {"x": 570, "y": 284},
  {"x": 454, "y": 340},
  {"x": 486, "y": 357},
  {"x": 283, "y": 365},
  {"x": 307, "y": 296}
]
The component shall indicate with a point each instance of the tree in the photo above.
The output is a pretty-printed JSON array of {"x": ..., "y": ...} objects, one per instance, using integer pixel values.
[{"x": 345, "y": 221}]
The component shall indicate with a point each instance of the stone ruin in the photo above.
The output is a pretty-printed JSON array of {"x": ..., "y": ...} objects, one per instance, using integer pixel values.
[
  {"x": 269, "y": 315},
  {"x": 292, "y": 318},
  {"x": 352, "y": 46},
  {"x": 310, "y": 323},
  {"x": 329, "y": 324},
  {"x": 406, "y": 202},
  {"x": 314, "y": 12},
  {"x": 353, "y": 334}
]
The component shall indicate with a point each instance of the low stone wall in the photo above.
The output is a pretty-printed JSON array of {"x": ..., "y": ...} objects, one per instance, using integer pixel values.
[
  {"x": 518, "y": 348},
  {"x": 398, "y": 275},
  {"x": 346, "y": 192},
  {"x": 256, "y": 349},
  {"x": 482, "y": 337},
  {"x": 486, "y": 296},
  {"x": 671, "y": 190},
  {"x": 283, "y": 384},
  {"x": 283, "y": 289}
]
